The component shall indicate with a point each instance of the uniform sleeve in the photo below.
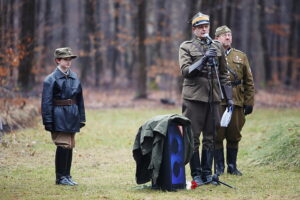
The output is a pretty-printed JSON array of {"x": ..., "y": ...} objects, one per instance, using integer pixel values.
[
  {"x": 47, "y": 101},
  {"x": 185, "y": 60},
  {"x": 248, "y": 83}
]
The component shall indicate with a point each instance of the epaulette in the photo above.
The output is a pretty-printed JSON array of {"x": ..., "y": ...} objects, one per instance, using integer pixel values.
[
  {"x": 238, "y": 50},
  {"x": 187, "y": 41}
]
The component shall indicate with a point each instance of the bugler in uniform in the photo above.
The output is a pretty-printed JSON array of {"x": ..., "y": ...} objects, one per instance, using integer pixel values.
[
  {"x": 243, "y": 97},
  {"x": 202, "y": 92}
]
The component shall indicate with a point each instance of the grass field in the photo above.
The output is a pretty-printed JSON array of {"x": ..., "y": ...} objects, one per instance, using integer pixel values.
[{"x": 104, "y": 167}]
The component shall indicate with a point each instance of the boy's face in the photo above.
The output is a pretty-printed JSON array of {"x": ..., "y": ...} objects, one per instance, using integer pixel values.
[{"x": 64, "y": 63}]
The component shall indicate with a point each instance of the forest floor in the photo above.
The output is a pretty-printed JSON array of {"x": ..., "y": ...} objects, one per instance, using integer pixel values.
[
  {"x": 103, "y": 163},
  {"x": 105, "y": 169},
  {"x": 275, "y": 98}
]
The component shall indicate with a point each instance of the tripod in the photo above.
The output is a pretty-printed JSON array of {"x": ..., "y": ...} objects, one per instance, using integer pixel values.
[{"x": 213, "y": 69}]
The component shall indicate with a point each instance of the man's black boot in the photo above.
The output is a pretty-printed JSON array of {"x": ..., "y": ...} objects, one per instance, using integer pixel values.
[
  {"x": 69, "y": 164},
  {"x": 219, "y": 160},
  {"x": 231, "y": 162},
  {"x": 196, "y": 168},
  {"x": 206, "y": 163},
  {"x": 61, "y": 166}
]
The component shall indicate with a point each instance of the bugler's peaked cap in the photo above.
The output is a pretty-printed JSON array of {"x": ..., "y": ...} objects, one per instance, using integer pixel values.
[
  {"x": 199, "y": 19},
  {"x": 64, "y": 52}
]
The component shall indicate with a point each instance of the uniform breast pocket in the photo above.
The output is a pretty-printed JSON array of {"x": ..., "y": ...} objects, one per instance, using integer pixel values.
[
  {"x": 237, "y": 64},
  {"x": 196, "y": 55}
]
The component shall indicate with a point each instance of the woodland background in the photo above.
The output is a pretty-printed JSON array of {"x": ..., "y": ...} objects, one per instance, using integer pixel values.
[
  {"x": 128, "y": 61},
  {"x": 133, "y": 44}
]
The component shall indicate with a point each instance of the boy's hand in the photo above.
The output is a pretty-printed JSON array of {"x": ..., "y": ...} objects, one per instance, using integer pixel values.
[
  {"x": 82, "y": 124},
  {"x": 49, "y": 127}
]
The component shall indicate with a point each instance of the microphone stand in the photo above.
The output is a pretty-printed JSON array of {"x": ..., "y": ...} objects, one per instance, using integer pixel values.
[{"x": 213, "y": 64}]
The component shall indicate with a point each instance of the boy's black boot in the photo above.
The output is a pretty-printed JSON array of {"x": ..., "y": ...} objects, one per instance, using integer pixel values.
[
  {"x": 231, "y": 162},
  {"x": 69, "y": 165},
  {"x": 219, "y": 160},
  {"x": 196, "y": 168},
  {"x": 61, "y": 166}
]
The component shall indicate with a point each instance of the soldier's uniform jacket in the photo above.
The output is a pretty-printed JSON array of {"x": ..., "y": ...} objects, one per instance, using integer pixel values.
[
  {"x": 240, "y": 77},
  {"x": 196, "y": 86},
  {"x": 58, "y": 86}
]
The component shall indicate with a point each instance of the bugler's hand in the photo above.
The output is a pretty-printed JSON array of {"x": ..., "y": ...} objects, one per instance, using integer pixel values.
[{"x": 211, "y": 52}]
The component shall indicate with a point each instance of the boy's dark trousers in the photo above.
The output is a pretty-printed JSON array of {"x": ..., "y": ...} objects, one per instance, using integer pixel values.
[{"x": 63, "y": 162}]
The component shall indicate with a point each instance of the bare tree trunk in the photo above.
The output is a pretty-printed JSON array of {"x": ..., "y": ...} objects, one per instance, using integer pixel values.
[
  {"x": 26, "y": 77},
  {"x": 264, "y": 42},
  {"x": 97, "y": 46},
  {"x": 292, "y": 47},
  {"x": 88, "y": 30},
  {"x": 115, "y": 43},
  {"x": 47, "y": 34},
  {"x": 64, "y": 32},
  {"x": 141, "y": 91}
]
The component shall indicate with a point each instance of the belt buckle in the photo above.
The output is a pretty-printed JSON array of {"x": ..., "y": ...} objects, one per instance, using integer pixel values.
[{"x": 69, "y": 101}]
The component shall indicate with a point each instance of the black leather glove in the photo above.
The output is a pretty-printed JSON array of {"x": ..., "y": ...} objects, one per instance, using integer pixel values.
[
  {"x": 81, "y": 124},
  {"x": 211, "y": 52},
  {"x": 248, "y": 109},
  {"x": 49, "y": 127}
]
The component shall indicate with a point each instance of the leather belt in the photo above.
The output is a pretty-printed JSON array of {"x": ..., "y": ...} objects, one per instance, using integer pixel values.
[{"x": 64, "y": 102}]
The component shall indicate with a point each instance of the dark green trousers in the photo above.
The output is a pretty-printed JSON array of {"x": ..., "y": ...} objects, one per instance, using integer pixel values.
[
  {"x": 201, "y": 116},
  {"x": 232, "y": 133}
]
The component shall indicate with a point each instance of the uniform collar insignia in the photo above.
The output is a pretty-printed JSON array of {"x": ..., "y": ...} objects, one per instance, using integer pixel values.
[{"x": 227, "y": 51}]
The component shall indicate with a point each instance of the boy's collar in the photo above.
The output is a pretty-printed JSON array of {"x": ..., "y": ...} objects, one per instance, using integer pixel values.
[
  {"x": 66, "y": 73},
  {"x": 60, "y": 74}
]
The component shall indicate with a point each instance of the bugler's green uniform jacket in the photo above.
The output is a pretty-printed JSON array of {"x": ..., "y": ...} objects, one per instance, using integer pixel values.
[
  {"x": 243, "y": 92},
  {"x": 197, "y": 86}
]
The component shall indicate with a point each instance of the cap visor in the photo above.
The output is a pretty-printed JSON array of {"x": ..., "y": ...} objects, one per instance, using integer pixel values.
[{"x": 200, "y": 23}]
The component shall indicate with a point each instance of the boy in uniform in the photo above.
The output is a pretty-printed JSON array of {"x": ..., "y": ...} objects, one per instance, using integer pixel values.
[{"x": 63, "y": 112}]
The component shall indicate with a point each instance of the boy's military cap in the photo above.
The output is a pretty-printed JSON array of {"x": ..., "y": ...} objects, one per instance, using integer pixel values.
[
  {"x": 222, "y": 29},
  {"x": 199, "y": 19},
  {"x": 64, "y": 52}
]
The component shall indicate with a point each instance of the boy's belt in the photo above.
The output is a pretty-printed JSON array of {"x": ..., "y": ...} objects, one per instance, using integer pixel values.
[{"x": 64, "y": 102}]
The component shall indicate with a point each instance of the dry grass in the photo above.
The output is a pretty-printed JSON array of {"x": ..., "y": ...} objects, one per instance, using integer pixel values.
[{"x": 104, "y": 167}]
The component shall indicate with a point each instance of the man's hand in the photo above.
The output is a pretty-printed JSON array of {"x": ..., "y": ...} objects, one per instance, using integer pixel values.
[
  {"x": 248, "y": 109},
  {"x": 230, "y": 103},
  {"x": 49, "y": 127},
  {"x": 211, "y": 52}
]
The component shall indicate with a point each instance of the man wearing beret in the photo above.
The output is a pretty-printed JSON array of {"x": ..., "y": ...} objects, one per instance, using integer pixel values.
[
  {"x": 203, "y": 89},
  {"x": 63, "y": 112},
  {"x": 243, "y": 97}
]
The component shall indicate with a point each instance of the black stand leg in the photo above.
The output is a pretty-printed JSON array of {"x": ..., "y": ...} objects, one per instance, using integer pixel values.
[{"x": 213, "y": 70}]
